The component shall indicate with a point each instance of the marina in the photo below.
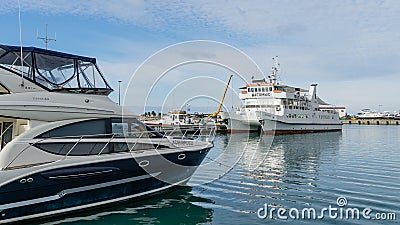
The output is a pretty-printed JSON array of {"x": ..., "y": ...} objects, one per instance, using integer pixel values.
[
  {"x": 81, "y": 157},
  {"x": 159, "y": 112}
]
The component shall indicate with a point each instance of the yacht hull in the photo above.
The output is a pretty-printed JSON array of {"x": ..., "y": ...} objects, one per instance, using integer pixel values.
[{"x": 52, "y": 190}]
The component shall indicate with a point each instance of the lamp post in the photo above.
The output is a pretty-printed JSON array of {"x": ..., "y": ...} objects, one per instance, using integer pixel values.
[{"x": 119, "y": 92}]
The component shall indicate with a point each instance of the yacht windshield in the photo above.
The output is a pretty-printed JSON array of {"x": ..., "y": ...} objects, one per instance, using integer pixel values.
[
  {"x": 55, "y": 71},
  {"x": 3, "y": 90}
]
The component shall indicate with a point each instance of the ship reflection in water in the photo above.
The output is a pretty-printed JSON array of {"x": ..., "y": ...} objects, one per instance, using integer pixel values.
[{"x": 295, "y": 159}]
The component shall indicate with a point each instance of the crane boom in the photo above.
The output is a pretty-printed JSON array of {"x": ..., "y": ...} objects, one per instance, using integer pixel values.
[{"x": 223, "y": 98}]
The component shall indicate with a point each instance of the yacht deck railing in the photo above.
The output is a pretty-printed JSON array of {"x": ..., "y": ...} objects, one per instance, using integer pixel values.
[
  {"x": 132, "y": 139},
  {"x": 3, "y": 132},
  {"x": 201, "y": 137}
]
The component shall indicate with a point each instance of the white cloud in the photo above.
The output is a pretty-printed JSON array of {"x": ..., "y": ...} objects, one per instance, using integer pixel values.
[
  {"x": 327, "y": 42},
  {"x": 126, "y": 10}
]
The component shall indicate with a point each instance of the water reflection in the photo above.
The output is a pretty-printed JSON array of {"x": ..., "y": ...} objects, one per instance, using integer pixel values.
[
  {"x": 229, "y": 151},
  {"x": 295, "y": 159},
  {"x": 178, "y": 207},
  {"x": 288, "y": 167},
  {"x": 283, "y": 153}
]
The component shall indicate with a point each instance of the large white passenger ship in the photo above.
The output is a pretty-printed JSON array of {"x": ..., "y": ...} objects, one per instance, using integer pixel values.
[{"x": 271, "y": 107}]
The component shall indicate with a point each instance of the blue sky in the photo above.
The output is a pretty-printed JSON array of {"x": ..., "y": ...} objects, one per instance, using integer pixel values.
[{"x": 350, "y": 48}]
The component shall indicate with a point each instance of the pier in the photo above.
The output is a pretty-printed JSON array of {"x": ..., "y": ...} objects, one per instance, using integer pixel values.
[{"x": 377, "y": 121}]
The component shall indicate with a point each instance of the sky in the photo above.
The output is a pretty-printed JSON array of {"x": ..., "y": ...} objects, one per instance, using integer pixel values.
[{"x": 350, "y": 48}]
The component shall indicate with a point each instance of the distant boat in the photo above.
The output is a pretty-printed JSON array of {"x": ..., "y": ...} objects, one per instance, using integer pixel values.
[
  {"x": 369, "y": 114},
  {"x": 180, "y": 121}
]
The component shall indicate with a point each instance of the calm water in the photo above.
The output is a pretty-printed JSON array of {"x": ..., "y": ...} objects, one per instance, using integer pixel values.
[{"x": 362, "y": 164}]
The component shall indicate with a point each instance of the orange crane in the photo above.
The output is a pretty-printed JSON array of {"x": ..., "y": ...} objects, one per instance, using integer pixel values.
[{"x": 222, "y": 100}]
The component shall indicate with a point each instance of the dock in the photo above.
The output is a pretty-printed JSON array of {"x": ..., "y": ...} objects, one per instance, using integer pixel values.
[{"x": 377, "y": 121}]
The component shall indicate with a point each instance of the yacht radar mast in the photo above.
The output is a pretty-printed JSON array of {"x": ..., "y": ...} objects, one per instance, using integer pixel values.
[{"x": 46, "y": 39}]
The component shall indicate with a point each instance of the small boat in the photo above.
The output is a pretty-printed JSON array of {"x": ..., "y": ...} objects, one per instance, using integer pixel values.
[
  {"x": 178, "y": 118},
  {"x": 182, "y": 122},
  {"x": 65, "y": 146}
]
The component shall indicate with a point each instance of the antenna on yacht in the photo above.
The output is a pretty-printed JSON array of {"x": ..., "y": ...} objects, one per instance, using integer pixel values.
[
  {"x": 119, "y": 92},
  {"x": 274, "y": 70},
  {"x": 20, "y": 43},
  {"x": 46, "y": 39}
]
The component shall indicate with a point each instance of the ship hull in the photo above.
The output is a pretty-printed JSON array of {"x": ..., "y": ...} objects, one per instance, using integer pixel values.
[
  {"x": 242, "y": 126},
  {"x": 278, "y": 127},
  {"x": 241, "y": 123}
]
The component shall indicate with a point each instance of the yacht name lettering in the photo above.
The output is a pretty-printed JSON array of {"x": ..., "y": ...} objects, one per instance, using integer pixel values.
[
  {"x": 182, "y": 142},
  {"x": 41, "y": 98}
]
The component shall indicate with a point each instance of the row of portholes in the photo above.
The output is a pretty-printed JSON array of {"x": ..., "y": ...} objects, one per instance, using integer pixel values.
[
  {"x": 145, "y": 163},
  {"x": 377, "y": 123}
]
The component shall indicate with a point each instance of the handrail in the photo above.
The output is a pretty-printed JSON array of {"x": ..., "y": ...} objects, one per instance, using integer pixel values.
[
  {"x": 73, "y": 146},
  {"x": 130, "y": 150},
  {"x": 106, "y": 144},
  {"x": 2, "y": 133},
  {"x": 165, "y": 136},
  {"x": 197, "y": 131},
  {"x": 184, "y": 134},
  {"x": 81, "y": 138}
]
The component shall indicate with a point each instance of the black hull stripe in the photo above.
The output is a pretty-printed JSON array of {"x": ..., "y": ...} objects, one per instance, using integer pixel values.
[
  {"x": 93, "y": 204},
  {"x": 74, "y": 190}
]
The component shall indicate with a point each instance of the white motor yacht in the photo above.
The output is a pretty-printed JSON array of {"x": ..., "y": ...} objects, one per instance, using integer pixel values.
[{"x": 65, "y": 146}]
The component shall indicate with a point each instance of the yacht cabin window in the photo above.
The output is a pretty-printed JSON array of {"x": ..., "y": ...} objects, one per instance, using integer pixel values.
[
  {"x": 127, "y": 127},
  {"x": 3, "y": 90},
  {"x": 79, "y": 149},
  {"x": 99, "y": 128},
  {"x": 83, "y": 128}
]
